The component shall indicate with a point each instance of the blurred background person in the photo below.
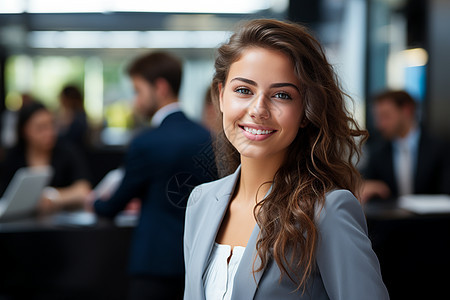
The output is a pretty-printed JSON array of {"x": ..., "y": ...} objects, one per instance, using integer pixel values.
[
  {"x": 408, "y": 160},
  {"x": 37, "y": 145},
  {"x": 71, "y": 118},
  {"x": 140, "y": 115},
  {"x": 210, "y": 115},
  {"x": 9, "y": 122},
  {"x": 162, "y": 165}
]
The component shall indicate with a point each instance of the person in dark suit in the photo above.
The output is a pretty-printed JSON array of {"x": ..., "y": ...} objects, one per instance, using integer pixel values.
[
  {"x": 162, "y": 166},
  {"x": 409, "y": 160}
]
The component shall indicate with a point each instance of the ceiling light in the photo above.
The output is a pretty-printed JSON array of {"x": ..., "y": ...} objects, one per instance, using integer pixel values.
[
  {"x": 126, "y": 39},
  {"x": 101, "y": 6}
]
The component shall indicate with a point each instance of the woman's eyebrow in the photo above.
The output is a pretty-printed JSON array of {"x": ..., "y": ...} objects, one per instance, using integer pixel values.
[
  {"x": 249, "y": 81},
  {"x": 283, "y": 84},
  {"x": 274, "y": 85}
]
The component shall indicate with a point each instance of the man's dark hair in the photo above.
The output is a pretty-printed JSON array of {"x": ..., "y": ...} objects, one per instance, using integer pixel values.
[
  {"x": 158, "y": 65},
  {"x": 73, "y": 97},
  {"x": 399, "y": 98}
]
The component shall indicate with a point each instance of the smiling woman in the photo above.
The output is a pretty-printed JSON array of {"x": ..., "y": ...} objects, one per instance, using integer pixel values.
[{"x": 285, "y": 224}]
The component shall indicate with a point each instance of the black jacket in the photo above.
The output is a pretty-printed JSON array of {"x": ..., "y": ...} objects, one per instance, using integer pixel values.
[
  {"x": 161, "y": 168},
  {"x": 432, "y": 174}
]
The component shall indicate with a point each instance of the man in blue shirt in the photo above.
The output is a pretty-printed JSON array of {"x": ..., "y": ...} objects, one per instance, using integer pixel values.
[{"x": 162, "y": 165}]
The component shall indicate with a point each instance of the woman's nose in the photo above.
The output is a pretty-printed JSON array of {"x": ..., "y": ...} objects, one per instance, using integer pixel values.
[{"x": 259, "y": 108}]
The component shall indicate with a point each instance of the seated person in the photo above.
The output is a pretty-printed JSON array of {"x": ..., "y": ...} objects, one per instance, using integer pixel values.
[
  {"x": 409, "y": 160},
  {"x": 37, "y": 145}
]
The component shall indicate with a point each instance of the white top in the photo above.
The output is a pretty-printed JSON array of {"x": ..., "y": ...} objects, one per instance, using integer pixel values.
[
  {"x": 163, "y": 112},
  {"x": 219, "y": 275},
  {"x": 404, "y": 154}
]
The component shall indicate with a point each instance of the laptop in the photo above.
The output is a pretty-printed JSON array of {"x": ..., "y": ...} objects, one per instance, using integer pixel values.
[{"x": 23, "y": 193}]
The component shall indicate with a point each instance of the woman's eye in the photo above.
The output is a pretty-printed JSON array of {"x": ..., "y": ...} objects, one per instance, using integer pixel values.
[
  {"x": 283, "y": 96},
  {"x": 243, "y": 91}
]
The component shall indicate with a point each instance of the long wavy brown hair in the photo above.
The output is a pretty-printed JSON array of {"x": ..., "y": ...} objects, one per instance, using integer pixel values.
[{"x": 320, "y": 158}]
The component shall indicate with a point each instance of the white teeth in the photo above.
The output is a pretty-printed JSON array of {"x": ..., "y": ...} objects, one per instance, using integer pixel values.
[{"x": 257, "y": 131}]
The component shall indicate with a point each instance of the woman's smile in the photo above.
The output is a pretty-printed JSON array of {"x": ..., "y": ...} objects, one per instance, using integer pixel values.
[{"x": 256, "y": 132}]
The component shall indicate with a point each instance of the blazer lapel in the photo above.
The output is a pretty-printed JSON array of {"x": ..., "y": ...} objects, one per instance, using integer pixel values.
[
  {"x": 211, "y": 224},
  {"x": 245, "y": 283}
]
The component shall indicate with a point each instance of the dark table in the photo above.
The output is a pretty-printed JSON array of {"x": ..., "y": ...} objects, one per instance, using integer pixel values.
[
  {"x": 413, "y": 249},
  {"x": 64, "y": 256},
  {"x": 68, "y": 256}
]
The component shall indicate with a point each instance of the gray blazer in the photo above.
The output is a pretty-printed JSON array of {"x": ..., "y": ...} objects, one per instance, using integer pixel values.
[{"x": 347, "y": 267}]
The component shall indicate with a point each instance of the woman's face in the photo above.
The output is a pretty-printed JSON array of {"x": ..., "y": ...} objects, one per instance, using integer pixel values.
[
  {"x": 39, "y": 131},
  {"x": 261, "y": 104}
]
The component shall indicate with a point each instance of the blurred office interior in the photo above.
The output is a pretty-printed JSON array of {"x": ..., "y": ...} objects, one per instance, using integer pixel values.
[{"x": 373, "y": 44}]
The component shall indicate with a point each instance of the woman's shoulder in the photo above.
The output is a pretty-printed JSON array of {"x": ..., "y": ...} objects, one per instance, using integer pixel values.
[
  {"x": 218, "y": 182},
  {"x": 210, "y": 191},
  {"x": 338, "y": 197},
  {"x": 216, "y": 186},
  {"x": 340, "y": 204},
  {"x": 65, "y": 154}
]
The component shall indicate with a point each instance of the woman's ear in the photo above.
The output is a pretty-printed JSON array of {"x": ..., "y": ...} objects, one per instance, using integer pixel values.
[
  {"x": 304, "y": 122},
  {"x": 220, "y": 88}
]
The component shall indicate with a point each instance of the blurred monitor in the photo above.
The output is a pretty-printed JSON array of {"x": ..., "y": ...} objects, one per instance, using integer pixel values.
[{"x": 24, "y": 191}]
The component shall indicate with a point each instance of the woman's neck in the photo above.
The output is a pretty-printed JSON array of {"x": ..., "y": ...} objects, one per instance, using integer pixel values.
[
  {"x": 256, "y": 177},
  {"x": 37, "y": 157}
]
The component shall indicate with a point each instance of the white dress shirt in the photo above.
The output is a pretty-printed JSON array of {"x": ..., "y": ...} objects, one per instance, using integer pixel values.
[
  {"x": 219, "y": 275},
  {"x": 405, "y": 153},
  {"x": 163, "y": 112}
]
